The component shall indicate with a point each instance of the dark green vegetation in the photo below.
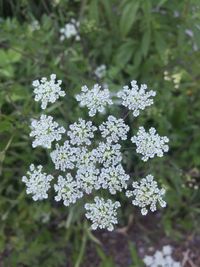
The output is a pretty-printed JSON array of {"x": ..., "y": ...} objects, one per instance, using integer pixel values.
[{"x": 143, "y": 40}]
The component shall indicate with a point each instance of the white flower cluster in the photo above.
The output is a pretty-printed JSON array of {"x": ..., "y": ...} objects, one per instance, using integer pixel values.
[
  {"x": 85, "y": 157},
  {"x": 70, "y": 30},
  {"x": 45, "y": 131},
  {"x": 47, "y": 91},
  {"x": 150, "y": 144},
  {"x": 114, "y": 129},
  {"x": 114, "y": 178},
  {"x": 162, "y": 258},
  {"x": 100, "y": 71},
  {"x": 37, "y": 183},
  {"x": 64, "y": 156},
  {"x": 67, "y": 190},
  {"x": 103, "y": 214},
  {"x": 94, "y": 99},
  {"x": 136, "y": 98},
  {"x": 80, "y": 133},
  {"x": 108, "y": 154},
  {"x": 86, "y": 164},
  {"x": 146, "y": 193},
  {"x": 87, "y": 177}
]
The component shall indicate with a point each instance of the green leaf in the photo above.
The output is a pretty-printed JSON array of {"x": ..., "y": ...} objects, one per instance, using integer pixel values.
[
  {"x": 5, "y": 126},
  {"x": 129, "y": 15},
  {"x": 94, "y": 10},
  {"x": 146, "y": 39},
  {"x": 124, "y": 53},
  {"x": 160, "y": 44}
]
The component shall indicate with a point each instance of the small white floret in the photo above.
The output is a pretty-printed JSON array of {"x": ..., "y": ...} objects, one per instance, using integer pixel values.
[
  {"x": 136, "y": 98},
  {"x": 70, "y": 30},
  {"x": 87, "y": 178},
  {"x": 114, "y": 129},
  {"x": 64, "y": 156},
  {"x": 114, "y": 178},
  {"x": 47, "y": 91},
  {"x": 147, "y": 194},
  {"x": 102, "y": 213},
  {"x": 45, "y": 131},
  {"x": 94, "y": 99},
  {"x": 150, "y": 144},
  {"x": 67, "y": 190},
  {"x": 37, "y": 182},
  {"x": 81, "y": 132},
  {"x": 108, "y": 154}
]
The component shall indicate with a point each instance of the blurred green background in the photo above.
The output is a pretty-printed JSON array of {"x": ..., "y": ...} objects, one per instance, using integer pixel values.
[{"x": 156, "y": 42}]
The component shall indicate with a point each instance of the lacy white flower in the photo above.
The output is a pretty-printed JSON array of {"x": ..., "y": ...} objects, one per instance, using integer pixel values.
[
  {"x": 102, "y": 213},
  {"x": 161, "y": 259},
  {"x": 94, "y": 163},
  {"x": 94, "y": 99},
  {"x": 70, "y": 30},
  {"x": 87, "y": 178},
  {"x": 37, "y": 182},
  {"x": 114, "y": 129},
  {"x": 146, "y": 193},
  {"x": 47, "y": 91},
  {"x": 64, "y": 156},
  {"x": 108, "y": 154},
  {"x": 114, "y": 178},
  {"x": 67, "y": 189},
  {"x": 45, "y": 131},
  {"x": 80, "y": 133},
  {"x": 150, "y": 144},
  {"x": 85, "y": 157},
  {"x": 136, "y": 98},
  {"x": 100, "y": 71}
]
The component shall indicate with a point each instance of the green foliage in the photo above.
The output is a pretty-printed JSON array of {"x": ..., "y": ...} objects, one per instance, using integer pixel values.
[{"x": 143, "y": 40}]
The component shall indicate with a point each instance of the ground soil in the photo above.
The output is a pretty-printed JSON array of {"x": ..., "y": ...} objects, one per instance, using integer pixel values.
[{"x": 147, "y": 235}]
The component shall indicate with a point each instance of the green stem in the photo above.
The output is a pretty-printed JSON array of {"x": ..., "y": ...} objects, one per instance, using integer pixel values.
[{"x": 82, "y": 249}]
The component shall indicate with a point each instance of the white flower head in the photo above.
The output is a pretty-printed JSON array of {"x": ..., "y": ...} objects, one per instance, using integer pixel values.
[
  {"x": 80, "y": 133},
  {"x": 37, "y": 182},
  {"x": 167, "y": 250},
  {"x": 45, "y": 131},
  {"x": 70, "y": 30},
  {"x": 150, "y": 143},
  {"x": 108, "y": 154},
  {"x": 146, "y": 193},
  {"x": 102, "y": 213},
  {"x": 114, "y": 129},
  {"x": 100, "y": 71},
  {"x": 85, "y": 157},
  {"x": 136, "y": 98},
  {"x": 47, "y": 91},
  {"x": 67, "y": 190},
  {"x": 114, "y": 178},
  {"x": 94, "y": 99},
  {"x": 87, "y": 178},
  {"x": 64, "y": 156},
  {"x": 161, "y": 259}
]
